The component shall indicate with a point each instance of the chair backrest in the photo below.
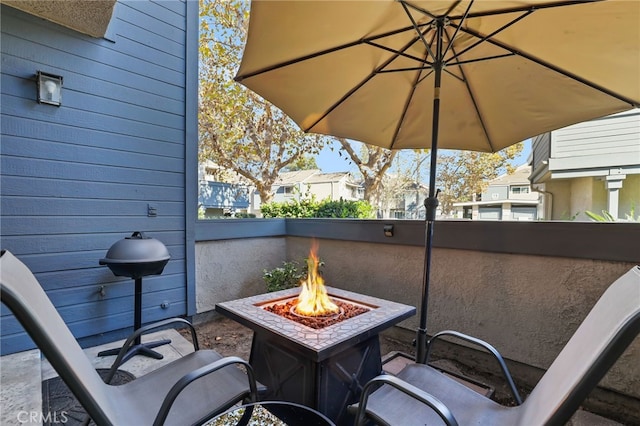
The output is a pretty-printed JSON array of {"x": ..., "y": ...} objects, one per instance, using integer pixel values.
[
  {"x": 23, "y": 295},
  {"x": 603, "y": 336}
]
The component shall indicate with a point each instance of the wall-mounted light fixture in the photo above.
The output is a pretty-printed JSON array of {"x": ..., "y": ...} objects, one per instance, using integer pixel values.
[
  {"x": 49, "y": 88},
  {"x": 388, "y": 230}
]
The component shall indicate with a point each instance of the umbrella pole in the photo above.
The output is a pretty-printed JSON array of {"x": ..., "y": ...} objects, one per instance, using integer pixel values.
[{"x": 431, "y": 203}]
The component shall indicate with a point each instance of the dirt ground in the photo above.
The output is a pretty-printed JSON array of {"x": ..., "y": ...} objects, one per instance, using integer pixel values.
[{"x": 228, "y": 338}]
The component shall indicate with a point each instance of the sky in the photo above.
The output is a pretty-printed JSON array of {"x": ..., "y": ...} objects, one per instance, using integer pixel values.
[{"x": 330, "y": 161}]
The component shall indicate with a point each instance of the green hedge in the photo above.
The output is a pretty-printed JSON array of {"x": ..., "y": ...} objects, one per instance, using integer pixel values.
[{"x": 312, "y": 208}]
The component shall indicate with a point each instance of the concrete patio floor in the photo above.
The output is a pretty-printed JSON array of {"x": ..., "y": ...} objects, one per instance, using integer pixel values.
[{"x": 21, "y": 389}]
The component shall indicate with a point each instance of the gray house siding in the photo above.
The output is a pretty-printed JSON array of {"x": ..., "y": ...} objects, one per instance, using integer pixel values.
[
  {"x": 612, "y": 141},
  {"x": 590, "y": 167},
  {"x": 78, "y": 178},
  {"x": 608, "y": 142},
  {"x": 541, "y": 149}
]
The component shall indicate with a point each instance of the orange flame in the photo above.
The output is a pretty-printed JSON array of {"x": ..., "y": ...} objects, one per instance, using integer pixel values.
[{"x": 313, "y": 299}]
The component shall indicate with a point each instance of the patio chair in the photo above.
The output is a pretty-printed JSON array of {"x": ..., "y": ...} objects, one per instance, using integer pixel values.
[
  {"x": 423, "y": 395},
  {"x": 186, "y": 391}
]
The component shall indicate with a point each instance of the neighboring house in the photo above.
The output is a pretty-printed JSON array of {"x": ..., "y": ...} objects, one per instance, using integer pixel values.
[
  {"x": 591, "y": 166},
  {"x": 409, "y": 203},
  {"x": 117, "y": 156},
  {"x": 301, "y": 184},
  {"x": 508, "y": 197},
  {"x": 210, "y": 171},
  {"x": 218, "y": 199}
]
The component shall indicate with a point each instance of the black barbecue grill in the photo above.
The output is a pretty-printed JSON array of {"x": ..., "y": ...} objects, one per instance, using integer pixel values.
[{"x": 135, "y": 257}]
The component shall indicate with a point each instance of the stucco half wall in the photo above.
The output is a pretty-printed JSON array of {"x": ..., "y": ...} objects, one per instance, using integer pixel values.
[
  {"x": 527, "y": 306},
  {"x": 232, "y": 269}
]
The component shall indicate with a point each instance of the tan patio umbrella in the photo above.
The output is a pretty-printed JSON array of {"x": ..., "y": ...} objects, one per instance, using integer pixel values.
[{"x": 457, "y": 74}]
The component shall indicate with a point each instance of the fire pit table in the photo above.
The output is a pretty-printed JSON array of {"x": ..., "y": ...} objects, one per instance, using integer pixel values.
[{"x": 322, "y": 368}]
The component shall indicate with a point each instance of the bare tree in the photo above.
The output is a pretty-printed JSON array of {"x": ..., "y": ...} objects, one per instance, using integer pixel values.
[{"x": 372, "y": 163}]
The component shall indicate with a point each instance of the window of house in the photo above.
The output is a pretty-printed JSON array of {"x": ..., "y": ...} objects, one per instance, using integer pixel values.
[
  {"x": 467, "y": 212},
  {"x": 519, "y": 189}
]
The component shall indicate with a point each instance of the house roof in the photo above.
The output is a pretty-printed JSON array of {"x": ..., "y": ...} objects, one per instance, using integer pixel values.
[
  {"x": 311, "y": 176},
  {"x": 329, "y": 177},
  {"x": 297, "y": 176},
  {"x": 519, "y": 177}
]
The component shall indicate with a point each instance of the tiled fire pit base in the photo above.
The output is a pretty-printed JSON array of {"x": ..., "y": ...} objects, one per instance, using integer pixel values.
[{"x": 321, "y": 368}]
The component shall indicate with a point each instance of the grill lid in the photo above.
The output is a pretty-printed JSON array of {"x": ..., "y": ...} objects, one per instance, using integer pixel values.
[{"x": 136, "y": 256}]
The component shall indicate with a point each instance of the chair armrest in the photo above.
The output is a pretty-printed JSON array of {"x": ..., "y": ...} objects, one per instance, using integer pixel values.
[
  {"x": 426, "y": 398},
  {"x": 145, "y": 329},
  {"x": 489, "y": 348},
  {"x": 201, "y": 372}
]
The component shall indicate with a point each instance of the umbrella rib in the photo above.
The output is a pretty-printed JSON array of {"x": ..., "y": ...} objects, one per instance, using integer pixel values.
[
  {"x": 486, "y": 58},
  {"x": 359, "y": 85},
  {"x": 402, "y": 52},
  {"x": 525, "y": 8},
  {"x": 417, "y": 29},
  {"x": 471, "y": 95},
  {"x": 425, "y": 62},
  {"x": 406, "y": 108},
  {"x": 427, "y": 67},
  {"x": 455, "y": 56},
  {"x": 453, "y": 37},
  {"x": 366, "y": 40},
  {"x": 431, "y": 15},
  {"x": 406, "y": 55},
  {"x": 427, "y": 75},
  {"x": 559, "y": 70},
  {"x": 482, "y": 39},
  {"x": 467, "y": 15},
  {"x": 452, "y": 74},
  {"x": 406, "y": 105},
  {"x": 273, "y": 67}
]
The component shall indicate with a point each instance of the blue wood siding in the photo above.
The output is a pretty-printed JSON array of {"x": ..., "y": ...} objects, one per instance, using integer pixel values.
[{"x": 78, "y": 178}]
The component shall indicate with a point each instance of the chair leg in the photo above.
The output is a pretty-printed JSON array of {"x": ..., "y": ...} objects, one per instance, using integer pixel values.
[
  {"x": 246, "y": 416},
  {"x": 139, "y": 349}
]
